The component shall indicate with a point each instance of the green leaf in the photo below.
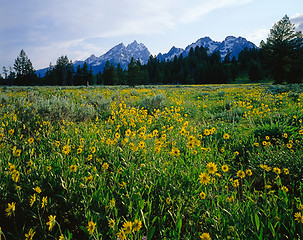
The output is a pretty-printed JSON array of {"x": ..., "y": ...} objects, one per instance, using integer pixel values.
[
  {"x": 143, "y": 218},
  {"x": 261, "y": 234},
  {"x": 155, "y": 218},
  {"x": 272, "y": 229},
  {"x": 179, "y": 226},
  {"x": 151, "y": 233},
  {"x": 257, "y": 221}
]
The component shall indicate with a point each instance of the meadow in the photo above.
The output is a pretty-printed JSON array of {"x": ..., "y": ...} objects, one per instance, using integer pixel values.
[{"x": 154, "y": 162}]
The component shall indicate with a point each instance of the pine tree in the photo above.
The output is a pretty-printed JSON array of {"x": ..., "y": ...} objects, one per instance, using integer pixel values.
[
  {"x": 133, "y": 75},
  {"x": 109, "y": 74},
  {"x": 65, "y": 70},
  {"x": 50, "y": 77},
  {"x": 284, "y": 52},
  {"x": 24, "y": 70}
]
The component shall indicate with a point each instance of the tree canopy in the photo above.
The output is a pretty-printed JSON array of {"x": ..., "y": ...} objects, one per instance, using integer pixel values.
[
  {"x": 283, "y": 51},
  {"x": 24, "y": 70}
]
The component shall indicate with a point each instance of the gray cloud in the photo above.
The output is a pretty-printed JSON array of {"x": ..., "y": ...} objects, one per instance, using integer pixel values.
[
  {"x": 52, "y": 27},
  {"x": 298, "y": 21}
]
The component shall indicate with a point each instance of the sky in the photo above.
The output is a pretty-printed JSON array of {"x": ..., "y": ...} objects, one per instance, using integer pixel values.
[{"x": 49, "y": 29}]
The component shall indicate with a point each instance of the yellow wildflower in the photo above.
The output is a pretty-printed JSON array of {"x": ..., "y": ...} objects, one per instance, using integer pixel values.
[
  {"x": 225, "y": 168},
  {"x": 30, "y": 234},
  {"x": 66, "y": 149},
  {"x": 226, "y": 136},
  {"x": 175, "y": 152},
  {"x": 17, "y": 152},
  {"x": 111, "y": 223},
  {"x": 137, "y": 224},
  {"x": 51, "y": 222},
  {"x": 212, "y": 168},
  {"x": 202, "y": 195},
  {"x": 105, "y": 166},
  {"x": 205, "y": 236},
  {"x": 11, "y": 207},
  {"x": 141, "y": 144},
  {"x": 204, "y": 178},
  {"x": 236, "y": 183},
  {"x": 73, "y": 168},
  {"x": 91, "y": 227},
  {"x": 127, "y": 227},
  {"x": 44, "y": 202},
  {"x": 89, "y": 178},
  {"x": 230, "y": 199},
  {"x": 286, "y": 171},
  {"x": 191, "y": 145},
  {"x": 207, "y": 132},
  {"x": 89, "y": 157},
  {"x": 112, "y": 203},
  {"x": 276, "y": 170},
  {"x": 57, "y": 143},
  {"x": 15, "y": 176},
  {"x": 298, "y": 217},
  {"x": 32, "y": 200},
  {"x": 267, "y": 186},
  {"x": 248, "y": 172},
  {"x": 79, "y": 150},
  {"x": 38, "y": 189},
  {"x": 121, "y": 235},
  {"x": 241, "y": 174},
  {"x": 92, "y": 149}
]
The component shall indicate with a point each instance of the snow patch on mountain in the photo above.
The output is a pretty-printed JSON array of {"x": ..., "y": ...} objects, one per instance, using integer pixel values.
[
  {"x": 119, "y": 54},
  {"x": 230, "y": 44}
]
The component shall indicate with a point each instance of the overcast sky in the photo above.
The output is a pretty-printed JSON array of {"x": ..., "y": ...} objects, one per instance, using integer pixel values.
[{"x": 49, "y": 29}]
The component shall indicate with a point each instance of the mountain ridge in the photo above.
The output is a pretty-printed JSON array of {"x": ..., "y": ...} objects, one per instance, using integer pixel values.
[
  {"x": 121, "y": 54},
  {"x": 231, "y": 44}
]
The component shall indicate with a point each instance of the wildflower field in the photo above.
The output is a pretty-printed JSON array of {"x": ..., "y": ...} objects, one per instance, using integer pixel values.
[{"x": 160, "y": 162}]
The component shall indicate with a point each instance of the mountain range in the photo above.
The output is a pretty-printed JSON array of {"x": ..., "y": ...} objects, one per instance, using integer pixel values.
[
  {"x": 119, "y": 54},
  {"x": 230, "y": 44},
  {"x": 123, "y": 54}
]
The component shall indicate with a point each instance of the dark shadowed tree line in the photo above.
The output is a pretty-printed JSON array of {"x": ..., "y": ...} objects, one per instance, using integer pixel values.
[{"x": 279, "y": 58}]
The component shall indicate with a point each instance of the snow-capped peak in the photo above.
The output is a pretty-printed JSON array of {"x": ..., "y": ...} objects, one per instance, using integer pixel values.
[{"x": 231, "y": 44}]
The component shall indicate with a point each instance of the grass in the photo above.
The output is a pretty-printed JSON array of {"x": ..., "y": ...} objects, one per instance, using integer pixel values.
[{"x": 161, "y": 162}]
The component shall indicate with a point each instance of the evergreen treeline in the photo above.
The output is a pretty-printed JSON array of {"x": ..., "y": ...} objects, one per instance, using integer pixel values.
[
  {"x": 197, "y": 68},
  {"x": 279, "y": 58}
]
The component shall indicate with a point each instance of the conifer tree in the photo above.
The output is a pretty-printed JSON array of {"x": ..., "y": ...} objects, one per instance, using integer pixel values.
[
  {"x": 283, "y": 50},
  {"x": 65, "y": 70},
  {"x": 24, "y": 70}
]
